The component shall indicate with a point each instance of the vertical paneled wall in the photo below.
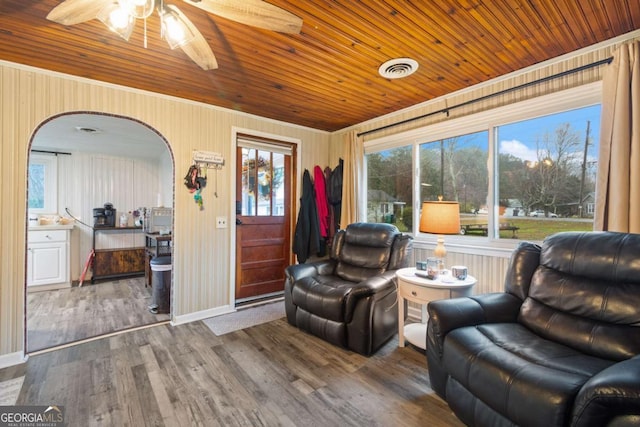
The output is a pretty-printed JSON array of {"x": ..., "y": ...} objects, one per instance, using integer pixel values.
[
  {"x": 489, "y": 271},
  {"x": 87, "y": 181},
  {"x": 202, "y": 270}
]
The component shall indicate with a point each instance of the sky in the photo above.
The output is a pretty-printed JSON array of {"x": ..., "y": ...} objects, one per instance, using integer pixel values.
[{"x": 519, "y": 139}]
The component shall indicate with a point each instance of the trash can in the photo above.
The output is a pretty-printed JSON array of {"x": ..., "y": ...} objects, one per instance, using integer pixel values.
[{"x": 161, "y": 293}]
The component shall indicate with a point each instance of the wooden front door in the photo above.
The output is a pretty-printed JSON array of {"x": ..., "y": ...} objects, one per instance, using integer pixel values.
[{"x": 263, "y": 218}]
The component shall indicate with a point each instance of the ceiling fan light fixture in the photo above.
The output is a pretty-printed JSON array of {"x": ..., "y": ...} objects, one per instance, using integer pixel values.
[
  {"x": 117, "y": 20},
  {"x": 174, "y": 29},
  {"x": 139, "y": 9}
]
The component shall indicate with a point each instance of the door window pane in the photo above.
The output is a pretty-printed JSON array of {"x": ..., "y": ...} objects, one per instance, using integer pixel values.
[
  {"x": 264, "y": 183},
  {"x": 277, "y": 184},
  {"x": 248, "y": 182}
]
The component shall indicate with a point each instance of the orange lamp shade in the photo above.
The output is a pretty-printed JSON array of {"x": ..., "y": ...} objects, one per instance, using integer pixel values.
[{"x": 440, "y": 217}]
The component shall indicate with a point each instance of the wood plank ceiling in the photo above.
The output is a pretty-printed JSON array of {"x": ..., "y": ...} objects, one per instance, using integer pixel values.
[{"x": 326, "y": 77}]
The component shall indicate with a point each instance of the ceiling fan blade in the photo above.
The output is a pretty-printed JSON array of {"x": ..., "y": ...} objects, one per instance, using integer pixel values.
[
  {"x": 197, "y": 49},
  {"x": 257, "y": 13},
  {"x": 71, "y": 12}
]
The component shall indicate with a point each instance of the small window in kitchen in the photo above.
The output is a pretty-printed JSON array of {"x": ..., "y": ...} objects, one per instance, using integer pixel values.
[{"x": 43, "y": 183}]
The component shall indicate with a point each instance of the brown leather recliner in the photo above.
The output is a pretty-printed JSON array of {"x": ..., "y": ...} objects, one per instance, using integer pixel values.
[
  {"x": 561, "y": 345},
  {"x": 350, "y": 299}
]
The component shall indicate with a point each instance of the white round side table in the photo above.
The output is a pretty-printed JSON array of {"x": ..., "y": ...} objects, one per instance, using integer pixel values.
[{"x": 421, "y": 290}]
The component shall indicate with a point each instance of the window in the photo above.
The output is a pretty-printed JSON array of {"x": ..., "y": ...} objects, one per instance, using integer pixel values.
[
  {"x": 456, "y": 169},
  {"x": 43, "y": 183},
  {"x": 525, "y": 170},
  {"x": 389, "y": 189},
  {"x": 547, "y": 171}
]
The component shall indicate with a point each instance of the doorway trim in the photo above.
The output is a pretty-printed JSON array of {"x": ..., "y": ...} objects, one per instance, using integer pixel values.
[
  {"x": 232, "y": 195},
  {"x": 26, "y": 353}
]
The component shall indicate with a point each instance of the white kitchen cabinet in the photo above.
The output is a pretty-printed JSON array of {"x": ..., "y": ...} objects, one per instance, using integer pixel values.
[{"x": 48, "y": 261}]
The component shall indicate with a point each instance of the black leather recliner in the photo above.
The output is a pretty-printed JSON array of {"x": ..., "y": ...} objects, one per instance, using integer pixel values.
[
  {"x": 561, "y": 345},
  {"x": 350, "y": 299}
]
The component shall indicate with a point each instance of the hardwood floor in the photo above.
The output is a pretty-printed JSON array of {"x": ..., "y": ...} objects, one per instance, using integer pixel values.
[
  {"x": 267, "y": 375},
  {"x": 72, "y": 314}
]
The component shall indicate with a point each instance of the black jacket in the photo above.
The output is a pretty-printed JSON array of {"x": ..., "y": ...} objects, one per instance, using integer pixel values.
[{"x": 306, "y": 240}]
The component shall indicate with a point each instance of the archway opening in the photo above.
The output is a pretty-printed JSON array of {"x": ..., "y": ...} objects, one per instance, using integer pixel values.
[{"x": 92, "y": 177}]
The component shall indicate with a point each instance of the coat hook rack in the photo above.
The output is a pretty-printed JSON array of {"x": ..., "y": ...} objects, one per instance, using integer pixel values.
[{"x": 208, "y": 159}]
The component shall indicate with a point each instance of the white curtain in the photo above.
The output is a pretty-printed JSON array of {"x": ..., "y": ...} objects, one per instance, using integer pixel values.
[
  {"x": 618, "y": 183},
  {"x": 352, "y": 179}
]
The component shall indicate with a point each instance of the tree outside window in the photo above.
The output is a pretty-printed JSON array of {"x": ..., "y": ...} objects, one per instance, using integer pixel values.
[
  {"x": 546, "y": 172},
  {"x": 527, "y": 178},
  {"x": 389, "y": 187}
]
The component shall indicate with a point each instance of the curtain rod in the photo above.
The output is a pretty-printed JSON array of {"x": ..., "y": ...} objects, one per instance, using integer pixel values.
[
  {"x": 492, "y": 95},
  {"x": 50, "y": 152}
]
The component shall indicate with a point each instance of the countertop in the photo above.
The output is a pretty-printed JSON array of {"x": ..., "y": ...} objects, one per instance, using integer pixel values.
[{"x": 51, "y": 227}]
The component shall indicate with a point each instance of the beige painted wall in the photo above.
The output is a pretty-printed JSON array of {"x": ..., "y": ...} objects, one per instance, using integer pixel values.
[{"x": 203, "y": 254}]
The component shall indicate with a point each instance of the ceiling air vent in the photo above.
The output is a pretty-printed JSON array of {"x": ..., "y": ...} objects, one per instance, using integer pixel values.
[{"x": 398, "y": 68}]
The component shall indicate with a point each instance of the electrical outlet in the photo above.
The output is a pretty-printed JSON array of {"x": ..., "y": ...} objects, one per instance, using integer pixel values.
[{"x": 221, "y": 222}]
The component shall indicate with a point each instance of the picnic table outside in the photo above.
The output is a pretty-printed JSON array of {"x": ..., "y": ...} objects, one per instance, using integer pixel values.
[{"x": 480, "y": 224}]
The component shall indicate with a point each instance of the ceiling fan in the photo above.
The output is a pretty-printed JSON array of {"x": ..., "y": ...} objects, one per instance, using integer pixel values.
[{"x": 177, "y": 29}]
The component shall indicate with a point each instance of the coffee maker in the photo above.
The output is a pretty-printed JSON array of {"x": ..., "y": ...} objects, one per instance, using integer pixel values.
[{"x": 104, "y": 216}]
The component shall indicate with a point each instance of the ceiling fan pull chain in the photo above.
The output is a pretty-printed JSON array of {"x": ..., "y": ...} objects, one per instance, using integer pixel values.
[{"x": 145, "y": 33}]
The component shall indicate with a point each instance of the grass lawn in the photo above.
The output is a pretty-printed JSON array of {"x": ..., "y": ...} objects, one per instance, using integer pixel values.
[
  {"x": 539, "y": 228},
  {"x": 535, "y": 229}
]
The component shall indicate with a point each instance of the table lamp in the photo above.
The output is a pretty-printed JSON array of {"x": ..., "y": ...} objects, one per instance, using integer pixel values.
[{"x": 440, "y": 218}]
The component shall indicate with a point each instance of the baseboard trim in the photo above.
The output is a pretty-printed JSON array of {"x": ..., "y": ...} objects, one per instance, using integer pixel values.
[
  {"x": 200, "y": 315},
  {"x": 12, "y": 359}
]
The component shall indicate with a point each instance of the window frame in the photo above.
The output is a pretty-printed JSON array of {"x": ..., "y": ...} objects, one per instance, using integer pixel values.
[
  {"x": 50, "y": 185},
  {"x": 488, "y": 120}
]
